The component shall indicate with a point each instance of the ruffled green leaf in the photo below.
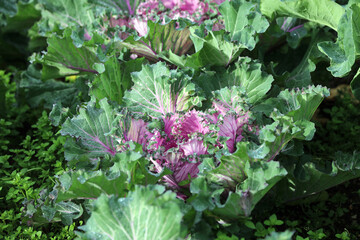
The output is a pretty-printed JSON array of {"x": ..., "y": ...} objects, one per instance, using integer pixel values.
[
  {"x": 324, "y": 12},
  {"x": 292, "y": 114},
  {"x": 91, "y": 129},
  {"x": 35, "y": 92},
  {"x": 231, "y": 170},
  {"x": 146, "y": 213},
  {"x": 343, "y": 53},
  {"x": 158, "y": 91},
  {"x": 211, "y": 50},
  {"x": 243, "y": 21},
  {"x": 8, "y": 8},
  {"x": 65, "y": 13},
  {"x": 245, "y": 74},
  {"x": 315, "y": 177},
  {"x": 90, "y": 185},
  {"x": 63, "y": 58},
  {"x": 261, "y": 177}
]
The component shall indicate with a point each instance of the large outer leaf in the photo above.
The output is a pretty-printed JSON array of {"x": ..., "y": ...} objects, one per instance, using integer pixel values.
[
  {"x": 116, "y": 79},
  {"x": 64, "y": 58},
  {"x": 342, "y": 54},
  {"x": 243, "y": 21},
  {"x": 291, "y": 112},
  {"x": 232, "y": 167},
  {"x": 89, "y": 185},
  {"x": 324, "y": 12},
  {"x": 64, "y": 13},
  {"x": 245, "y": 74},
  {"x": 301, "y": 104},
  {"x": 35, "y": 92},
  {"x": 212, "y": 50},
  {"x": 160, "y": 39},
  {"x": 158, "y": 91},
  {"x": 309, "y": 178},
  {"x": 262, "y": 176},
  {"x": 90, "y": 128},
  {"x": 146, "y": 213}
]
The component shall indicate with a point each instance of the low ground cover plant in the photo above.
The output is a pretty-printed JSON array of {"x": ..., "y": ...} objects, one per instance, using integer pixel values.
[{"x": 176, "y": 119}]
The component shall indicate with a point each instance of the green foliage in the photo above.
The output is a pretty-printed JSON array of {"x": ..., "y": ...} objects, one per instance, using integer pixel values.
[
  {"x": 324, "y": 12},
  {"x": 233, "y": 61},
  {"x": 92, "y": 127},
  {"x": 64, "y": 13},
  {"x": 16, "y": 18},
  {"x": 116, "y": 79},
  {"x": 340, "y": 130},
  {"x": 146, "y": 213},
  {"x": 158, "y": 91},
  {"x": 27, "y": 170},
  {"x": 243, "y": 21},
  {"x": 160, "y": 40},
  {"x": 64, "y": 58}
]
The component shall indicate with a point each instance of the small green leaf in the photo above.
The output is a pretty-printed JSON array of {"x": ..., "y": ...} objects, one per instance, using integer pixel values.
[{"x": 99, "y": 67}]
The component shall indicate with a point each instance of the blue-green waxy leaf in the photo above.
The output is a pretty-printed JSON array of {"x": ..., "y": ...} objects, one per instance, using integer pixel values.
[
  {"x": 146, "y": 213},
  {"x": 91, "y": 128},
  {"x": 324, "y": 12},
  {"x": 243, "y": 21},
  {"x": 158, "y": 91},
  {"x": 116, "y": 79},
  {"x": 64, "y": 58}
]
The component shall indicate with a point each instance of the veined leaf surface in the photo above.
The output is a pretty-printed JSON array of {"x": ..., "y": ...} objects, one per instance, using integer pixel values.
[
  {"x": 158, "y": 91},
  {"x": 146, "y": 213},
  {"x": 90, "y": 128}
]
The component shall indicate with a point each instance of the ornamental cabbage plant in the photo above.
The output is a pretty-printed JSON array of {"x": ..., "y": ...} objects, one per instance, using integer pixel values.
[{"x": 182, "y": 118}]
